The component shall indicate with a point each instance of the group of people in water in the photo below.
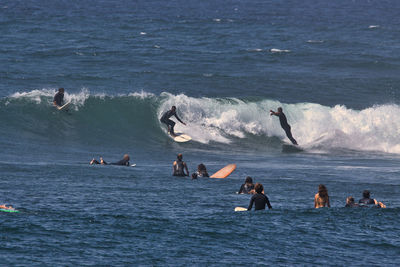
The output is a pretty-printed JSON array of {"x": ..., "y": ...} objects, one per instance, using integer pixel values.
[
  {"x": 321, "y": 198},
  {"x": 259, "y": 199}
]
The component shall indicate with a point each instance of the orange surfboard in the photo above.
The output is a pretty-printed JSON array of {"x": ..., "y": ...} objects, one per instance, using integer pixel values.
[{"x": 224, "y": 172}]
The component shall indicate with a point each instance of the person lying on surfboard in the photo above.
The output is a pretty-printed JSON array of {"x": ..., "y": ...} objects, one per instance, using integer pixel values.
[
  {"x": 123, "y": 162},
  {"x": 58, "y": 100},
  {"x": 284, "y": 124},
  {"x": 367, "y": 200},
  {"x": 179, "y": 167},
  {"x": 170, "y": 123},
  {"x": 6, "y": 208}
]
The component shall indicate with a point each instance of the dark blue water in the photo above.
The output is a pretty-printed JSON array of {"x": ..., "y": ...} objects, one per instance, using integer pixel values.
[{"x": 333, "y": 67}]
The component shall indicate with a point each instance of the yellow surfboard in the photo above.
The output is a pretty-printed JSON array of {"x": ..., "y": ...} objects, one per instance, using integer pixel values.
[
  {"x": 224, "y": 172},
  {"x": 240, "y": 209}
]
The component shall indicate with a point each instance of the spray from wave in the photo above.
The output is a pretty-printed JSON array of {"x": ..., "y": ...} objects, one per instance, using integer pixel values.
[{"x": 229, "y": 121}]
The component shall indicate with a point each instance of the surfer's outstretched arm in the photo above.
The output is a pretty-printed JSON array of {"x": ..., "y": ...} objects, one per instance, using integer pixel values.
[{"x": 176, "y": 116}]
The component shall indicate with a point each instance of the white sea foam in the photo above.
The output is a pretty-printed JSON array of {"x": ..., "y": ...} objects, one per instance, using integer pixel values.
[
  {"x": 315, "y": 41},
  {"x": 314, "y": 126},
  {"x": 276, "y": 50},
  {"x": 373, "y": 26}
]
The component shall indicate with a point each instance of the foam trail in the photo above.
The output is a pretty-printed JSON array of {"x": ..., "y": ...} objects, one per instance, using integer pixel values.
[{"x": 313, "y": 125}]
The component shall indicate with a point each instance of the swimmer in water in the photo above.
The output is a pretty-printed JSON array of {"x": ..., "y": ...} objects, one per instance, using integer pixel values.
[
  {"x": 179, "y": 167},
  {"x": 321, "y": 198},
  {"x": 350, "y": 203},
  {"x": 366, "y": 200},
  {"x": 202, "y": 171},
  {"x": 259, "y": 199},
  {"x": 247, "y": 187}
]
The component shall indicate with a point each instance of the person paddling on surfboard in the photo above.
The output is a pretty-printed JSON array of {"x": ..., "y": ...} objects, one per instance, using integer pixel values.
[
  {"x": 170, "y": 123},
  {"x": 284, "y": 124},
  {"x": 58, "y": 100},
  {"x": 123, "y": 162}
]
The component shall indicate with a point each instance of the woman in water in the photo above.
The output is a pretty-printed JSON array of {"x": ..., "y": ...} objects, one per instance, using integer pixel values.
[
  {"x": 247, "y": 187},
  {"x": 202, "y": 171},
  {"x": 321, "y": 198}
]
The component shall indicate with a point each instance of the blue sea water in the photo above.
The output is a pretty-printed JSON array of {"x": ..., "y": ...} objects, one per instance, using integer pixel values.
[{"x": 332, "y": 65}]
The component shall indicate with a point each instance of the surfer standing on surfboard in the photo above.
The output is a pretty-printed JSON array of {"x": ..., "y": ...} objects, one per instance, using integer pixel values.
[
  {"x": 58, "y": 100},
  {"x": 284, "y": 124},
  {"x": 170, "y": 123}
]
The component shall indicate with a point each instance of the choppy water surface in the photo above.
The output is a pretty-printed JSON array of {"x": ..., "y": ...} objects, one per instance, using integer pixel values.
[{"x": 333, "y": 67}]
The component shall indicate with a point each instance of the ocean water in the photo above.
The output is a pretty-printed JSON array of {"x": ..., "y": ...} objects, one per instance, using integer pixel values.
[{"x": 332, "y": 65}]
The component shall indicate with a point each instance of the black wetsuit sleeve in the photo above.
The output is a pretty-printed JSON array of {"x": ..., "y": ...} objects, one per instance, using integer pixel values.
[
  {"x": 251, "y": 203},
  {"x": 241, "y": 189},
  {"x": 268, "y": 204},
  {"x": 176, "y": 116}
]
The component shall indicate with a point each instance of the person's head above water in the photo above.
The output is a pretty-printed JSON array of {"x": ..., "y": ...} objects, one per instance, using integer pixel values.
[
  {"x": 322, "y": 191},
  {"x": 180, "y": 156},
  {"x": 61, "y": 90},
  {"x": 350, "y": 200},
  {"x": 280, "y": 109},
  {"x": 173, "y": 108},
  {"x": 366, "y": 194},
  {"x": 201, "y": 167},
  {"x": 249, "y": 180},
  {"x": 258, "y": 188},
  {"x": 126, "y": 157}
]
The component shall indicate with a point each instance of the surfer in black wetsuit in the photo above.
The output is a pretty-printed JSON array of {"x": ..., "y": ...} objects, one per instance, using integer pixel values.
[
  {"x": 284, "y": 124},
  {"x": 259, "y": 199},
  {"x": 179, "y": 167},
  {"x": 170, "y": 123},
  {"x": 367, "y": 201},
  {"x": 123, "y": 162},
  {"x": 58, "y": 100}
]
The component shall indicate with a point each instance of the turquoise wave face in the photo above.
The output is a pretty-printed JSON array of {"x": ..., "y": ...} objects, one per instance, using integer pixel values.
[{"x": 226, "y": 122}]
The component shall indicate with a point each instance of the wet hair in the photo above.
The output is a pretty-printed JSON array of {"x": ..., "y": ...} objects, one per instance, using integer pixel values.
[
  {"x": 280, "y": 109},
  {"x": 258, "y": 188},
  {"x": 61, "y": 90},
  {"x": 194, "y": 175},
  {"x": 180, "y": 156},
  {"x": 350, "y": 200},
  {"x": 366, "y": 194},
  {"x": 126, "y": 156},
  {"x": 173, "y": 107},
  {"x": 201, "y": 168},
  {"x": 322, "y": 191},
  {"x": 249, "y": 180}
]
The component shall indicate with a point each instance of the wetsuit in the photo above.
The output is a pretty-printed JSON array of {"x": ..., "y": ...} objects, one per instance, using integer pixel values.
[
  {"x": 286, "y": 127},
  {"x": 122, "y": 162},
  {"x": 59, "y": 99},
  {"x": 366, "y": 201},
  {"x": 260, "y": 200},
  {"x": 178, "y": 168},
  {"x": 170, "y": 123},
  {"x": 202, "y": 174},
  {"x": 245, "y": 189}
]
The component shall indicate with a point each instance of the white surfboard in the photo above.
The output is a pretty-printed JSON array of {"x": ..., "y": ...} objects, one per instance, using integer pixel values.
[
  {"x": 240, "y": 209},
  {"x": 181, "y": 137},
  {"x": 65, "y": 106},
  {"x": 133, "y": 165}
]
